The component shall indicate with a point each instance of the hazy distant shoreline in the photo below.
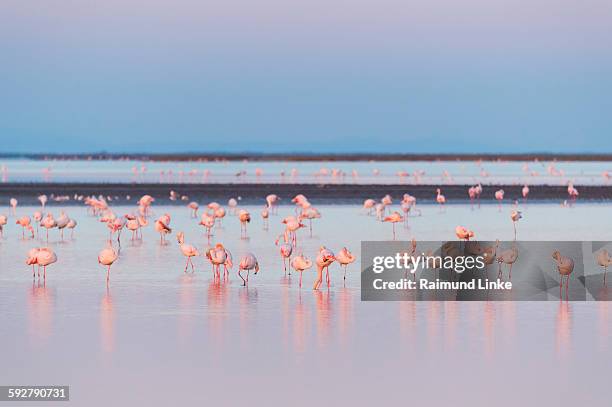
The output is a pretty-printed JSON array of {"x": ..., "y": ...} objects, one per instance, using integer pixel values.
[
  {"x": 27, "y": 193},
  {"x": 303, "y": 157}
]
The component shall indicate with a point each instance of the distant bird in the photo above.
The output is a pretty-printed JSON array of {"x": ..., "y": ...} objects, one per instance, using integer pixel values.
[
  {"x": 301, "y": 263},
  {"x": 265, "y": 215},
  {"x": 394, "y": 218},
  {"x": 499, "y": 195},
  {"x": 604, "y": 260},
  {"x": 61, "y": 223},
  {"x": 208, "y": 221},
  {"x": 244, "y": 217},
  {"x": 45, "y": 257},
  {"x": 13, "y": 203},
  {"x": 344, "y": 258},
  {"x": 193, "y": 206},
  {"x": 324, "y": 259},
  {"x": 565, "y": 267},
  {"x": 272, "y": 202},
  {"x": 248, "y": 262},
  {"x": 310, "y": 213},
  {"x": 515, "y": 216},
  {"x": 525, "y": 192},
  {"x": 107, "y": 257},
  {"x": 440, "y": 199},
  {"x": 219, "y": 214},
  {"x": 368, "y": 205},
  {"x": 188, "y": 250},
  {"x": 48, "y": 222},
  {"x": 43, "y": 200}
]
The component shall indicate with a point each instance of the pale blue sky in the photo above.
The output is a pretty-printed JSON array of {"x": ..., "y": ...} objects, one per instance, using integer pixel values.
[{"x": 316, "y": 76}]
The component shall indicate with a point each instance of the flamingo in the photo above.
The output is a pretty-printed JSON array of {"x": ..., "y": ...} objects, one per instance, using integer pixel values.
[
  {"x": 188, "y": 250},
  {"x": 394, "y": 218},
  {"x": 508, "y": 257},
  {"x": 572, "y": 192},
  {"x": 499, "y": 195},
  {"x": 193, "y": 206},
  {"x": 248, "y": 262},
  {"x": 604, "y": 260},
  {"x": 72, "y": 224},
  {"x": 301, "y": 263},
  {"x": 132, "y": 225},
  {"x": 525, "y": 192},
  {"x": 107, "y": 257},
  {"x": 463, "y": 233},
  {"x": 515, "y": 216},
  {"x": 61, "y": 223},
  {"x": 344, "y": 258},
  {"x": 219, "y": 214},
  {"x": 45, "y": 257},
  {"x": 368, "y": 205},
  {"x": 218, "y": 256},
  {"x": 48, "y": 223},
  {"x": 324, "y": 259},
  {"x": 272, "y": 202},
  {"x": 3, "y": 222},
  {"x": 208, "y": 221},
  {"x": 43, "y": 200},
  {"x": 440, "y": 199},
  {"x": 244, "y": 217},
  {"x": 32, "y": 259},
  {"x": 38, "y": 216},
  {"x": 24, "y": 222},
  {"x": 13, "y": 203},
  {"x": 310, "y": 214},
  {"x": 162, "y": 226},
  {"x": 232, "y": 203},
  {"x": 285, "y": 251},
  {"x": 265, "y": 215},
  {"x": 565, "y": 267},
  {"x": 292, "y": 225}
]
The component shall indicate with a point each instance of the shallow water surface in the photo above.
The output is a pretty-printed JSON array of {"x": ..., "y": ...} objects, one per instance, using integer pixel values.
[{"x": 163, "y": 337}]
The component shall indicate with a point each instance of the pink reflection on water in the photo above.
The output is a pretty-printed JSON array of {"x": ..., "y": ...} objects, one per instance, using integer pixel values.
[
  {"x": 285, "y": 281},
  {"x": 433, "y": 324},
  {"x": 41, "y": 304},
  {"x": 301, "y": 323},
  {"x": 217, "y": 313},
  {"x": 564, "y": 328},
  {"x": 323, "y": 305},
  {"x": 247, "y": 298},
  {"x": 451, "y": 316},
  {"x": 604, "y": 325},
  {"x": 345, "y": 313},
  {"x": 107, "y": 323},
  {"x": 489, "y": 328},
  {"x": 186, "y": 306}
]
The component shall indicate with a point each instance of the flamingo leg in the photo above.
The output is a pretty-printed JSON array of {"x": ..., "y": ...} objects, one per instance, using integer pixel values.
[
  {"x": 300, "y": 279},
  {"x": 186, "y": 265}
]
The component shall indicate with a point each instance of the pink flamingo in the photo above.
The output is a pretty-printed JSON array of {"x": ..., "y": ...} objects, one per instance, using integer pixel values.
[
  {"x": 463, "y": 233},
  {"x": 244, "y": 217},
  {"x": 218, "y": 256},
  {"x": 301, "y": 263},
  {"x": 188, "y": 250},
  {"x": 48, "y": 223},
  {"x": 107, "y": 257},
  {"x": 208, "y": 221},
  {"x": 272, "y": 202},
  {"x": 24, "y": 222},
  {"x": 565, "y": 267},
  {"x": 515, "y": 216},
  {"x": 440, "y": 199},
  {"x": 507, "y": 257},
  {"x": 324, "y": 259},
  {"x": 310, "y": 213},
  {"x": 248, "y": 262},
  {"x": 292, "y": 225},
  {"x": 32, "y": 259},
  {"x": 162, "y": 226},
  {"x": 499, "y": 195},
  {"x": 525, "y": 192},
  {"x": 265, "y": 215},
  {"x": 368, "y": 205},
  {"x": 394, "y": 218},
  {"x": 344, "y": 258},
  {"x": 13, "y": 203},
  {"x": 285, "y": 251},
  {"x": 45, "y": 257},
  {"x": 193, "y": 206},
  {"x": 604, "y": 260}
]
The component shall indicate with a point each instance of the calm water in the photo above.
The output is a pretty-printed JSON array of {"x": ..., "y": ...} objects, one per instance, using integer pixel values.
[
  {"x": 160, "y": 337},
  {"x": 557, "y": 173}
]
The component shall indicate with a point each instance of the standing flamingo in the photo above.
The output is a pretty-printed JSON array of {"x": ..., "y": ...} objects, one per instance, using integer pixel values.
[
  {"x": 218, "y": 256},
  {"x": 292, "y": 225},
  {"x": 310, "y": 213},
  {"x": 440, "y": 199},
  {"x": 72, "y": 224},
  {"x": 368, "y": 205},
  {"x": 248, "y": 262},
  {"x": 45, "y": 257},
  {"x": 265, "y": 215},
  {"x": 193, "y": 206},
  {"x": 32, "y": 259},
  {"x": 162, "y": 226},
  {"x": 344, "y": 258},
  {"x": 244, "y": 217},
  {"x": 525, "y": 192},
  {"x": 208, "y": 221},
  {"x": 272, "y": 202},
  {"x": 565, "y": 267},
  {"x": 61, "y": 223},
  {"x": 13, "y": 203},
  {"x": 48, "y": 223},
  {"x": 107, "y": 257},
  {"x": 301, "y": 263},
  {"x": 499, "y": 195},
  {"x": 43, "y": 201},
  {"x": 3, "y": 222},
  {"x": 188, "y": 250},
  {"x": 285, "y": 251},
  {"x": 24, "y": 222},
  {"x": 515, "y": 216},
  {"x": 394, "y": 218},
  {"x": 508, "y": 257},
  {"x": 324, "y": 259}
]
